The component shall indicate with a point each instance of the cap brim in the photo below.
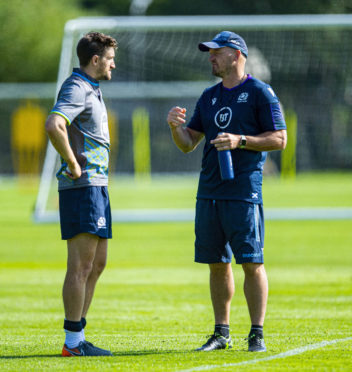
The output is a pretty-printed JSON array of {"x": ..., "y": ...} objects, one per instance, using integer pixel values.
[{"x": 204, "y": 47}]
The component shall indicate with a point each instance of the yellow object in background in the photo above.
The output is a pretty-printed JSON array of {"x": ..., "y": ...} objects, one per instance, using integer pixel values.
[
  {"x": 113, "y": 122},
  {"x": 28, "y": 137},
  {"x": 288, "y": 156},
  {"x": 141, "y": 144}
]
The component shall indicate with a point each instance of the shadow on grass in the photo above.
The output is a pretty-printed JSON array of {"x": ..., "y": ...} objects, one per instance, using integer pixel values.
[
  {"x": 29, "y": 356},
  {"x": 150, "y": 352},
  {"x": 114, "y": 354}
]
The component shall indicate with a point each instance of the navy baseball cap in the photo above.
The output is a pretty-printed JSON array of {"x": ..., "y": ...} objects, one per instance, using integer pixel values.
[{"x": 225, "y": 39}]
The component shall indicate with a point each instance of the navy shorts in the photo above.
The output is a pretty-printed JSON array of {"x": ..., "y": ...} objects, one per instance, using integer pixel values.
[
  {"x": 85, "y": 210},
  {"x": 226, "y": 227}
]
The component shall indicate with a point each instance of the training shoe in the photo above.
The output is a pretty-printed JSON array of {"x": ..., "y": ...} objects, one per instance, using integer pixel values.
[
  {"x": 255, "y": 343},
  {"x": 84, "y": 348},
  {"x": 215, "y": 342}
]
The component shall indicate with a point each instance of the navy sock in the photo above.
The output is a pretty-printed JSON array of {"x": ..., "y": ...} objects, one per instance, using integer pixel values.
[
  {"x": 84, "y": 322},
  {"x": 72, "y": 326},
  {"x": 222, "y": 329},
  {"x": 257, "y": 330}
]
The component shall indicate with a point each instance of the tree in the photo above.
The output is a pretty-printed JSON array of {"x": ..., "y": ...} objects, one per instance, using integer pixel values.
[
  {"x": 201, "y": 7},
  {"x": 30, "y": 37},
  {"x": 219, "y": 7},
  {"x": 109, "y": 7}
]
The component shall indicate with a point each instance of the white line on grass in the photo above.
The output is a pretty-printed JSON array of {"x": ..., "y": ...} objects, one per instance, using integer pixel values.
[{"x": 286, "y": 354}]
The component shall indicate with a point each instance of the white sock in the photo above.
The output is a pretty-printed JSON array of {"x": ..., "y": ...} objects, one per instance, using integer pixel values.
[
  {"x": 73, "y": 338},
  {"x": 82, "y": 335}
]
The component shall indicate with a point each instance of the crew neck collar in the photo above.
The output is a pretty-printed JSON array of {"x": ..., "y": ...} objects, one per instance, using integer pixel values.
[{"x": 237, "y": 86}]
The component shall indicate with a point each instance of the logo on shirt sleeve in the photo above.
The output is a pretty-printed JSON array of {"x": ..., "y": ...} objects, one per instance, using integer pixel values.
[{"x": 223, "y": 117}]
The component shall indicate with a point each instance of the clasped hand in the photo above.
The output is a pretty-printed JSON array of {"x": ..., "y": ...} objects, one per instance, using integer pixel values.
[{"x": 226, "y": 141}]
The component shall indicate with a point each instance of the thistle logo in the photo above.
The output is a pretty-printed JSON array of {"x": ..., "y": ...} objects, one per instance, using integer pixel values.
[
  {"x": 101, "y": 222},
  {"x": 242, "y": 97},
  {"x": 223, "y": 117}
]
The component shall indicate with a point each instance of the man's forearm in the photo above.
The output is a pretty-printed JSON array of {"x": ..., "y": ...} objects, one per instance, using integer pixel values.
[
  {"x": 57, "y": 134},
  {"x": 267, "y": 141},
  {"x": 186, "y": 139},
  {"x": 63, "y": 148},
  {"x": 182, "y": 139}
]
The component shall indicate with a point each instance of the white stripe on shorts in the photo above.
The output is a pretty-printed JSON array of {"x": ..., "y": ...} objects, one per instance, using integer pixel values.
[{"x": 256, "y": 222}]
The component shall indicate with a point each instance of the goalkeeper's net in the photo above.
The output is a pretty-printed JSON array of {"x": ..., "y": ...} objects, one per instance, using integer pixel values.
[{"x": 307, "y": 60}]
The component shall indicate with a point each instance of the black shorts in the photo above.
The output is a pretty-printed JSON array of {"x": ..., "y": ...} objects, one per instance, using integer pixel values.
[
  {"x": 226, "y": 227},
  {"x": 85, "y": 210}
]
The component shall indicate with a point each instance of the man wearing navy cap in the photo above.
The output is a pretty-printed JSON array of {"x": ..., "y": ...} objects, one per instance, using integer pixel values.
[{"x": 241, "y": 114}]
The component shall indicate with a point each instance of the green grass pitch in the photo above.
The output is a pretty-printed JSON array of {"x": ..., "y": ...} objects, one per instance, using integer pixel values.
[{"x": 152, "y": 305}]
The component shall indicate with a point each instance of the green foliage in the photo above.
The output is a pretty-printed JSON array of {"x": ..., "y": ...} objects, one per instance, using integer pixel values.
[
  {"x": 185, "y": 7},
  {"x": 108, "y": 7},
  {"x": 198, "y": 7},
  {"x": 180, "y": 7},
  {"x": 30, "y": 37},
  {"x": 31, "y": 31}
]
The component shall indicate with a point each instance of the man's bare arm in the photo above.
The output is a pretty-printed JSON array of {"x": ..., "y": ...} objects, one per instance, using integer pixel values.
[
  {"x": 186, "y": 139},
  {"x": 55, "y": 126},
  {"x": 267, "y": 141}
]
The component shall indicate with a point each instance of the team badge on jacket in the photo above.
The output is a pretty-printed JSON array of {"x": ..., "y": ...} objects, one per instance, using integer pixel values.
[{"x": 242, "y": 97}]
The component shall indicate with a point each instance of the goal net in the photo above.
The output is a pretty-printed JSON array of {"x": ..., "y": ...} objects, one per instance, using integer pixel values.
[{"x": 305, "y": 58}]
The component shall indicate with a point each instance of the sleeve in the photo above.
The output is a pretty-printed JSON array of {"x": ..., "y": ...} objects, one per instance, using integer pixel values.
[
  {"x": 270, "y": 114},
  {"x": 70, "y": 102},
  {"x": 196, "y": 120}
]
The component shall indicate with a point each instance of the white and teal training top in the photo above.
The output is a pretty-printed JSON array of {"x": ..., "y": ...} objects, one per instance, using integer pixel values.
[{"x": 80, "y": 102}]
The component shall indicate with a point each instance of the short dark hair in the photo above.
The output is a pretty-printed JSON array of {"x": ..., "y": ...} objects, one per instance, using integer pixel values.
[{"x": 93, "y": 43}]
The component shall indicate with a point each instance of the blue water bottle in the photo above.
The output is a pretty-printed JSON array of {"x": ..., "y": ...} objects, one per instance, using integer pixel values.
[{"x": 226, "y": 166}]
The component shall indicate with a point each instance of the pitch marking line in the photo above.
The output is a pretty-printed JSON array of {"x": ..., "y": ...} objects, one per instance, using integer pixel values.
[{"x": 286, "y": 354}]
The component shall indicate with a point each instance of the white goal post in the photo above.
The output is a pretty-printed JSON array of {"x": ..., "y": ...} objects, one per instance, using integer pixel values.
[{"x": 154, "y": 34}]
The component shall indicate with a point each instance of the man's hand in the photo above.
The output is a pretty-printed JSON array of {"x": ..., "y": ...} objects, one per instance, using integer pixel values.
[
  {"x": 74, "y": 170},
  {"x": 176, "y": 117},
  {"x": 226, "y": 141}
]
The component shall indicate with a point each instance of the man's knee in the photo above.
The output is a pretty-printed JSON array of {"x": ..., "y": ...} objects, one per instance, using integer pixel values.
[
  {"x": 220, "y": 268},
  {"x": 99, "y": 266},
  {"x": 253, "y": 269},
  {"x": 81, "y": 254},
  {"x": 80, "y": 271}
]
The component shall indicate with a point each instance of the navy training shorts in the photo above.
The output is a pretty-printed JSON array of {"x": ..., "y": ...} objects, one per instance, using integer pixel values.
[
  {"x": 226, "y": 227},
  {"x": 85, "y": 210}
]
